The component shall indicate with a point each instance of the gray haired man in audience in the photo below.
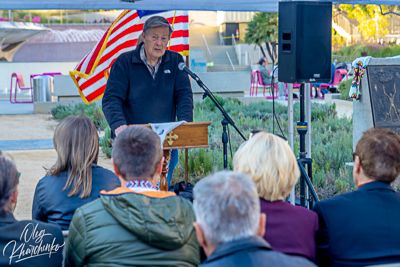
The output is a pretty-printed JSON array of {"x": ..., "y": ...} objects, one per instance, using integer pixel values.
[{"x": 229, "y": 225}]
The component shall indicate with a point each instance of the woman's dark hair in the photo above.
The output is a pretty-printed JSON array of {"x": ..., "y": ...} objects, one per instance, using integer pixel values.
[
  {"x": 8, "y": 182},
  {"x": 262, "y": 60}
]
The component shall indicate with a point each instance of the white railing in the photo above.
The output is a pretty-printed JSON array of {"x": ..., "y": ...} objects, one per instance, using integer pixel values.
[
  {"x": 230, "y": 60},
  {"x": 205, "y": 42},
  {"x": 233, "y": 39}
]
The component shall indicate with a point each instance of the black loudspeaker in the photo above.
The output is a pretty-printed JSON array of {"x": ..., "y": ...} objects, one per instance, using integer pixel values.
[{"x": 305, "y": 42}]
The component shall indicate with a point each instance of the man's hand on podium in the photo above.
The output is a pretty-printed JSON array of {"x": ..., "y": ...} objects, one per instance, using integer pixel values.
[{"x": 120, "y": 129}]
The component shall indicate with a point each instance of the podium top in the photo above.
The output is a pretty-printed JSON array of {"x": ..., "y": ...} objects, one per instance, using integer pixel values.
[{"x": 186, "y": 135}]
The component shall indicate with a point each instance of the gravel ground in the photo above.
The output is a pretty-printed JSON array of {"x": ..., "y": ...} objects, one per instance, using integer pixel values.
[{"x": 30, "y": 163}]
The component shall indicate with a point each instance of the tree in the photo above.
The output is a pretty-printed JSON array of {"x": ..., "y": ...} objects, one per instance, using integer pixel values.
[
  {"x": 263, "y": 28},
  {"x": 372, "y": 23}
]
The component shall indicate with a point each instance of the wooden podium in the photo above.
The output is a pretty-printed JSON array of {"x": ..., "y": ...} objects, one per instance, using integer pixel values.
[{"x": 185, "y": 136}]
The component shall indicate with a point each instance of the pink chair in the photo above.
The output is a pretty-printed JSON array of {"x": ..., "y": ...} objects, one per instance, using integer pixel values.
[
  {"x": 297, "y": 86},
  {"x": 339, "y": 74},
  {"x": 36, "y": 20},
  {"x": 20, "y": 83},
  {"x": 257, "y": 80},
  {"x": 51, "y": 73}
]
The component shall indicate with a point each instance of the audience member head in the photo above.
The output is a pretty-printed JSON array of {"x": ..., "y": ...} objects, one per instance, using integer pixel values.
[
  {"x": 137, "y": 155},
  {"x": 8, "y": 184},
  {"x": 377, "y": 156},
  {"x": 271, "y": 164},
  {"x": 263, "y": 61},
  {"x": 227, "y": 208},
  {"x": 77, "y": 144}
]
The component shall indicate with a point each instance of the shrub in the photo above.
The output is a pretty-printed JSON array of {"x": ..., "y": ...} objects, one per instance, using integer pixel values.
[
  {"x": 92, "y": 110},
  {"x": 344, "y": 89},
  {"x": 105, "y": 144},
  {"x": 331, "y": 139},
  {"x": 373, "y": 50}
]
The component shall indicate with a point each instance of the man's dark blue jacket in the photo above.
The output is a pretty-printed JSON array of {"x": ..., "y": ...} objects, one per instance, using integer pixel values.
[
  {"x": 132, "y": 96},
  {"x": 359, "y": 228},
  {"x": 252, "y": 251}
]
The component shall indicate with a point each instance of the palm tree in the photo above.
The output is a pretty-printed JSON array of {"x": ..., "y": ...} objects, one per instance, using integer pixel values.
[{"x": 263, "y": 28}]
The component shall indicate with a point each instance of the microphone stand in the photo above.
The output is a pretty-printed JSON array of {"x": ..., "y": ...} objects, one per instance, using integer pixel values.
[{"x": 225, "y": 121}]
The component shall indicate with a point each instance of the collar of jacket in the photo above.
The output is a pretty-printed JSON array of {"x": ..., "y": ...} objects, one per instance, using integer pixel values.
[
  {"x": 7, "y": 217},
  {"x": 232, "y": 247},
  {"x": 375, "y": 185},
  {"x": 153, "y": 194},
  {"x": 136, "y": 56}
]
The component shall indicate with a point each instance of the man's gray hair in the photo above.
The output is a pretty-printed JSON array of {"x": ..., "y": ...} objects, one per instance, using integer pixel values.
[
  {"x": 157, "y": 21},
  {"x": 227, "y": 207}
]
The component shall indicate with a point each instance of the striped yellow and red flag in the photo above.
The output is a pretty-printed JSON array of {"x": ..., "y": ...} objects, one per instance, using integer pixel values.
[{"x": 91, "y": 73}]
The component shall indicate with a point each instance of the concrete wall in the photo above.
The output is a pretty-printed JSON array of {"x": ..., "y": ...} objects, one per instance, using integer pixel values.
[
  {"x": 28, "y": 68},
  {"x": 250, "y": 53},
  {"x": 233, "y": 83}
]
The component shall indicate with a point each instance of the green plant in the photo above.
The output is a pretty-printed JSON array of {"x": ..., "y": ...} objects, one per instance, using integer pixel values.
[
  {"x": 263, "y": 28},
  {"x": 331, "y": 139},
  {"x": 344, "y": 88},
  {"x": 105, "y": 144},
  {"x": 92, "y": 110}
]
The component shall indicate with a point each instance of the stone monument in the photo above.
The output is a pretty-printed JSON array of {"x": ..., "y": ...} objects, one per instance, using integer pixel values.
[{"x": 379, "y": 103}]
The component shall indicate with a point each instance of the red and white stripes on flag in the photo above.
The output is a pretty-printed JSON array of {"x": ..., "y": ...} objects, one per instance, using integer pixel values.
[{"x": 91, "y": 73}]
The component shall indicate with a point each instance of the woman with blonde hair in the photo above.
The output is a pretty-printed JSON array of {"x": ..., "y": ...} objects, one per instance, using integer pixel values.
[
  {"x": 273, "y": 167},
  {"x": 75, "y": 179}
]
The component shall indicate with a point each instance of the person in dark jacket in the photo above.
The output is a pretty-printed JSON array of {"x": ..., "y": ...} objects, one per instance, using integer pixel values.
[
  {"x": 75, "y": 179},
  {"x": 265, "y": 75},
  {"x": 136, "y": 224},
  {"x": 362, "y": 228},
  {"x": 271, "y": 164},
  {"x": 24, "y": 243},
  {"x": 146, "y": 86},
  {"x": 229, "y": 225}
]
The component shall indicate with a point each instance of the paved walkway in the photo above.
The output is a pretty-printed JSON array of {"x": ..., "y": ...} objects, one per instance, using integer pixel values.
[
  {"x": 26, "y": 144},
  {"x": 7, "y": 108}
]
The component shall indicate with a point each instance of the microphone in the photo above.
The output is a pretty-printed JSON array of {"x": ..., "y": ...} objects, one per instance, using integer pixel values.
[{"x": 182, "y": 67}]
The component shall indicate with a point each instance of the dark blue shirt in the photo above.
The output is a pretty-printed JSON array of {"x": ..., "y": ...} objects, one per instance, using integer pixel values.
[{"x": 52, "y": 204}]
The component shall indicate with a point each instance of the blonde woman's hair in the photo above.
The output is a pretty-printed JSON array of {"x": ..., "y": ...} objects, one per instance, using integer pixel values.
[
  {"x": 77, "y": 144},
  {"x": 271, "y": 164}
]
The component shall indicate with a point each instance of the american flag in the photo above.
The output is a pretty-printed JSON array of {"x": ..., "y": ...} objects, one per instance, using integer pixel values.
[{"x": 91, "y": 73}]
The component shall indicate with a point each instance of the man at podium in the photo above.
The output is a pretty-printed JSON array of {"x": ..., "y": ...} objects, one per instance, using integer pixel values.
[{"x": 146, "y": 86}]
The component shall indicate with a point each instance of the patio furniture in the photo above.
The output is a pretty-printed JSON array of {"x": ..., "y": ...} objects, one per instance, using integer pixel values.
[
  {"x": 339, "y": 75},
  {"x": 257, "y": 80},
  {"x": 19, "y": 83},
  {"x": 297, "y": 86}
]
